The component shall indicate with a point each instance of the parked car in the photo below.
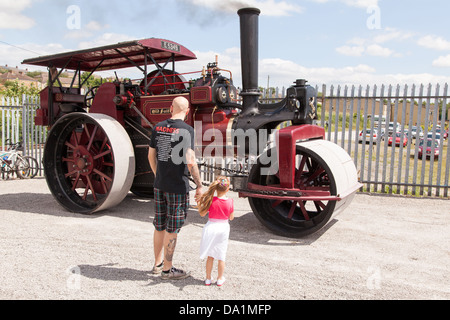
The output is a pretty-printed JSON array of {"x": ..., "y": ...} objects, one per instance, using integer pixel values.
[
  {"x": 414, "y": 130},
  {"x": 430, "y": 148},
  {"x": 398, "y": 138},
  {"x": 393, "y": 127},
  {"x": 376, "y": 134},
  {"x": 437, "y": 135}
]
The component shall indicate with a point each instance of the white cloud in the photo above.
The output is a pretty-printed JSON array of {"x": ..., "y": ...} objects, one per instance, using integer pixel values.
[
  {"x": 361, "y": 3},
  {"x": 267, "y": 7},
  {"x": 13, "y": 56},
  {"x": 371, "y": 50},
  {"x": 95, "y": 26},
  {"x": 442, "y": 61},
  {"x": 434, "y": 42},
  {"x": 354, "y": 3},
  {"x": 11, "y": 16},
  {"x": 14, "y": 5},
  {"x": 379, "y": 51},
  {"x": 372, "y": 46},
  {"x": 390, "y": 34},
  {"x": 355, "y": 51},
  {"x": 86, "y": 31},
  {"x": 105, "y": 39}
]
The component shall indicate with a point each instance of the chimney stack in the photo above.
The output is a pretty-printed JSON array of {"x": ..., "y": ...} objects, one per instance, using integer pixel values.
[{"x": 249, "y": 60}]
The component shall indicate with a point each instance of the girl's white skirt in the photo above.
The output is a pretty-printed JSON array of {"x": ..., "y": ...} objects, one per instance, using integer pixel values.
[{"x": 214, "y": 241}]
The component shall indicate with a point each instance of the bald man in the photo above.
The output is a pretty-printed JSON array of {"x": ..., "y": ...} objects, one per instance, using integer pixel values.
[{"x": 171, "y": 156}]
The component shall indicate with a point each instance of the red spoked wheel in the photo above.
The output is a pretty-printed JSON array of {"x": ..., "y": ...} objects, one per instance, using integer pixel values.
[
  {"x": 88, "y": 162},
  {"x": 161, "y": 81},
  {"x": 296, "y": 218}
]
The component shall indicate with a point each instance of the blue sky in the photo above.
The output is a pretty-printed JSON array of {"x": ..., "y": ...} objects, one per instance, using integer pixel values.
[{"x": 324, "y": 41}]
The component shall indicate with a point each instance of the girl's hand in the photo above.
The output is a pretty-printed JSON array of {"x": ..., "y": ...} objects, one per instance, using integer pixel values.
[{"x": 198, "y": 194}]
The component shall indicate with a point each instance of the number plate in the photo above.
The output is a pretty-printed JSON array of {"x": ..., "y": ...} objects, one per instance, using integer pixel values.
[{"x": 170, "y": 46}]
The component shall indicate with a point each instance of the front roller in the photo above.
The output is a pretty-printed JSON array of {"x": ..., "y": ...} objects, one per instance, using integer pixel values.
[
  {"x": 324, "y": 183},
  {"x": 88, "y": 162}
]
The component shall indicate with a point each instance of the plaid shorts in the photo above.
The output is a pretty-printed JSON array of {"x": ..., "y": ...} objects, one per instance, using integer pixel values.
[{"x": 170, "y": 211}]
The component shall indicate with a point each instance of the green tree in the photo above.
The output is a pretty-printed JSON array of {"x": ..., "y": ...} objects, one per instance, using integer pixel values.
[
  {"x": 16, "y": 90},
  {"x": 93, "y": 81}
]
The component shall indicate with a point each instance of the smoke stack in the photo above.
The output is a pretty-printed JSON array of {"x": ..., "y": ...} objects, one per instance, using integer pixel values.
[{"x": 249, "y": 59}]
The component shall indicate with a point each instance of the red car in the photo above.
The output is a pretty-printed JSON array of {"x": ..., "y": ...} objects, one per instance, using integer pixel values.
[
  {"x": 443, "y": 132},
  {"x": 429, "y": 149},
  {"x": 398, "y": 138}
]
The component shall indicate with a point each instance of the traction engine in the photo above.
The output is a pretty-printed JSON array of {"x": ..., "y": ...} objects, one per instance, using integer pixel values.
[{"x": 97, "y": 146}]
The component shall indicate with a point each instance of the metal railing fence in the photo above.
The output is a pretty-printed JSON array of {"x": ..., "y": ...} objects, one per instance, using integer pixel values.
[
  {"x": 344, "y": 111},
  {"x": 17, "y": 125},
  {"x": 385, "y": 167}
]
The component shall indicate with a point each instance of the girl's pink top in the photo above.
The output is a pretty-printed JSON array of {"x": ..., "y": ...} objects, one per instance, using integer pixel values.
[{"x": 220, "y": 208}]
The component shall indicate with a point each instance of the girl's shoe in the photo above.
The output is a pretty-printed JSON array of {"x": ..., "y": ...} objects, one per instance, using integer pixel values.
[
  {"x": 220, "y": 281},
  {"x": 208, "y": 282}
]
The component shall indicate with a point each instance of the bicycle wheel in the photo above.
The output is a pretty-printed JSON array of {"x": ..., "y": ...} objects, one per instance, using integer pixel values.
[
  {"x": 6, "y": 170},
  {"x": 22, "y": 168},
  {"x": 32, "y": 168}
]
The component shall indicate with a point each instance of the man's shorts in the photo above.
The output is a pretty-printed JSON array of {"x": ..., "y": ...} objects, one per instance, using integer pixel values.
[{"x": 170, "y": 211}]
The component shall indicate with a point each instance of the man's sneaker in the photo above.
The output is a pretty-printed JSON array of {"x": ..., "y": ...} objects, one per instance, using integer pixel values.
[
  {"x": 157, "y": 269},
  {"x": 174, "y": 274}
]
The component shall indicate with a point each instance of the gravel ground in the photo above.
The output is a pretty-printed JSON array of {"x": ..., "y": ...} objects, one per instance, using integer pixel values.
[{"x": 380, "y": 247}]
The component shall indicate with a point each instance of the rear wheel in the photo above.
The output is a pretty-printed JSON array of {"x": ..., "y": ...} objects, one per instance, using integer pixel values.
[{"x": 89, "y": 162}]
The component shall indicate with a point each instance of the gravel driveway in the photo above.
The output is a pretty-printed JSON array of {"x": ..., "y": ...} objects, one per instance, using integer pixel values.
[{"x": 380, "y": 247}]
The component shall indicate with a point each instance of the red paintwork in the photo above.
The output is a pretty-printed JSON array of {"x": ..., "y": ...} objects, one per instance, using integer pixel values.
[
  {"x": 72, "y": 95},
  {"x": 287, "y": 138},
  {"x": 303, "y": 194},
  {"x": 212, "y": 128},
  {"x": 103, "y": 102},
  {"x": 157, "y": 108},
  {"x": 89, "y": 151}
]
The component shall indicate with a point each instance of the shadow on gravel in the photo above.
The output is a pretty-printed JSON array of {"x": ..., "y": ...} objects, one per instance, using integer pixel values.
[
  {"x": 247, "y": 228},
  {"x": 32, "y": 202},
  {"x": 107, "y": 272},
  {"x": 130, "y": 208},
  {"x": 244, "y": 228}
]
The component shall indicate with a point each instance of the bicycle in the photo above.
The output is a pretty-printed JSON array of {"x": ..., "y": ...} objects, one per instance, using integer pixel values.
[{"x": 12, "y": 162}]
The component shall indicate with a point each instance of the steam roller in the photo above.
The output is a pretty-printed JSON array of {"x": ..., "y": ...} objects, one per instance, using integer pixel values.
[{"x": 96, "y": 149}]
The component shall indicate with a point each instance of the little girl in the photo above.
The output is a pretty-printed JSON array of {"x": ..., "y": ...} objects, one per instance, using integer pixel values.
[{"x": 216, "y": 231}]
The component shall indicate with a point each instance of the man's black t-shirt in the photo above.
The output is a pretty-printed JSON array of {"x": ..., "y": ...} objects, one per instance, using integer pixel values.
[{"x": 171, "y": 138}]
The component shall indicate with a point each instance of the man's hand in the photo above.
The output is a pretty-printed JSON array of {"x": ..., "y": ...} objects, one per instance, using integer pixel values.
[
  {"x": 198, "y": 194},
  {"x": 195, "y": 173}
]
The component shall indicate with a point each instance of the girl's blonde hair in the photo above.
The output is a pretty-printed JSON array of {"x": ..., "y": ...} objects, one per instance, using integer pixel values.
[{"x": 221, "y": 184}]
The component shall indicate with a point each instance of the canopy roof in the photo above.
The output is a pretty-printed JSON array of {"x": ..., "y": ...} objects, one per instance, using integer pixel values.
[{"x": 121, "y": 55}]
